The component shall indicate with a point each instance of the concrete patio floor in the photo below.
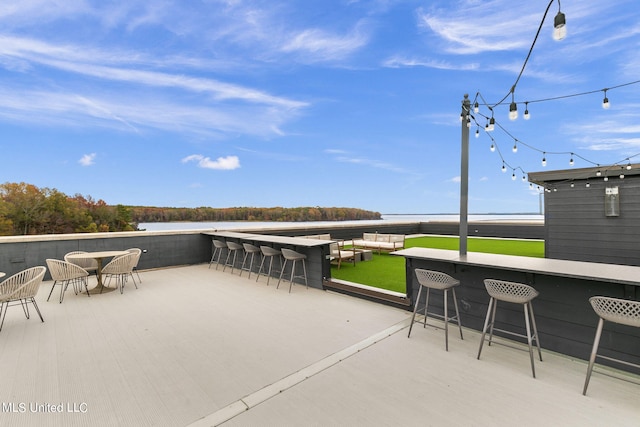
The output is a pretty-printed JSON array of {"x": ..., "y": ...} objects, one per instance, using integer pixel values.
[{"x": 196, "y": 346}]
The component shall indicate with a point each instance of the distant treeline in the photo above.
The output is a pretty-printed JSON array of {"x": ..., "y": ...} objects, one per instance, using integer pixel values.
[
  {"x": 27, "y": 209},
  {"x": 150, "y": 214}
]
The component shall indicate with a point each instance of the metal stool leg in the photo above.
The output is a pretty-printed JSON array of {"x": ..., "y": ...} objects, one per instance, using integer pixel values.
[
  {"x": 486, "y": 324},
  {"x": 526, "y": 323},
  {"x": 594, "y": 352},
  {"x": 415, "y": 309},
  {"x": 455, "y": 304},
  {"x": 535, "y": 330}
]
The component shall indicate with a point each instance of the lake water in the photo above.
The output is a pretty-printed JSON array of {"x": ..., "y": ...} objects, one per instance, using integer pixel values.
[{"x": 165, "y": 226}]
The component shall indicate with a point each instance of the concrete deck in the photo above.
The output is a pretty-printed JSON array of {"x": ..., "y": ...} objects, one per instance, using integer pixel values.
[{"x": 196, "y": 346}]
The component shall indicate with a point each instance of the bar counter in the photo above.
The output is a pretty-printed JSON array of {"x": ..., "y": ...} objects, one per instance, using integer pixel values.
[{"x": 566, "y": 320}]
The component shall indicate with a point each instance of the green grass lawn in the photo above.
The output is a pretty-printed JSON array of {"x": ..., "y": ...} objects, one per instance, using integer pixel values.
[{"x": 388, "y": 271}]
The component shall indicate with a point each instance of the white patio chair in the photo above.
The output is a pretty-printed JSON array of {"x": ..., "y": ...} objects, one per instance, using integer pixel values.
[
  {"x": 64, "y": 273},
  {"x": 89, "y": 264},
  {"x": 121, "y": 268},
  {"x": 339, "y": 255},
  {"x": 21, "y": 288},
  {"x": 138, "y": 253}
]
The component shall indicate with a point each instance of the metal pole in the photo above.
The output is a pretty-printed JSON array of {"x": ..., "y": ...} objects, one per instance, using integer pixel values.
[{"x": 464, "y": 174}]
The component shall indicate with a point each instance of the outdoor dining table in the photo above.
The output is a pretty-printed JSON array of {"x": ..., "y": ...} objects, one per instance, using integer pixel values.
[{"x": 99, "y": 256}]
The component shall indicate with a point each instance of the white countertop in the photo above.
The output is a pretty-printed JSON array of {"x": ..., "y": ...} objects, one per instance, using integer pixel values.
[
  {"x": 270, "y": 238},
  {"x": 614, "y": 273}
]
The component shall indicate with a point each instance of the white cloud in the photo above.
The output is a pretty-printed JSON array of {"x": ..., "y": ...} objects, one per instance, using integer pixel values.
[
  {"x": 319, "y": 45},
  {"x": 221, "y": 163},
  {"x": 87, "y": 159}
]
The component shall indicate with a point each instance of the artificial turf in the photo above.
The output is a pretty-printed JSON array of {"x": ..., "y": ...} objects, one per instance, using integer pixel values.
[{"x": 388, "y": 271}]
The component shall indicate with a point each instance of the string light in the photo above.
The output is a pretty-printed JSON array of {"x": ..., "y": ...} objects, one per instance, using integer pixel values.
[
  {"x": 513, "y": 108},
  {"x": 559, "y": 25},
  {"x": 478, "y": 133},
  {"x": 559, "y": 34},
  {"x": 605, "y": 101}
]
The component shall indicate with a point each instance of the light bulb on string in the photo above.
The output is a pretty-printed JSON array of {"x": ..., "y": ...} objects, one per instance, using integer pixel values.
[
  {"x": 587, "y": 184},
  {"x": 544, "y": 160},
  {"x": 571, "y": 160},
  {"x": 504, "y": 168},
  {"x": 605, "y": 101},
  {"x": 559, "y": 26},
  {"x": 606, "y": 178},
  {"x": 572, "y": 184},
  {"x": 524, "y": 178},
  {"x": 492, "y": 125},
  {"x": 476, "y": 107},
  {"x": 629, "y": 166},
  {"x": 492, "y": 148},
  {"x": 621, "y": 172},
  {"x": 513, "y": 111},
  {"x": 526, "y": 116},
  {"x": 515, "y": 146},
  {"x": 513, "y": 176},
  {"x": 478, "y": 133},
  {"x": 598, "y": 173}
]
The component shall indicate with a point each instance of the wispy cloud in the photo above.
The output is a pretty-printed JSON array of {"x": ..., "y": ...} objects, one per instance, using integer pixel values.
[
  {"x": 318, "y": 45},
  {"x": 87, "y": 159},
  {"x": 485, "y": 32},
  {"x": 221, "y": 163},
  {"x": 378, "y": 164}
]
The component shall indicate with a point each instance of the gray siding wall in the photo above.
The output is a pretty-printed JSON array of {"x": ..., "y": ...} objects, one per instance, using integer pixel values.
[
  {"x": 577, "y": 228},
  {"x": 162, "y": 249}
]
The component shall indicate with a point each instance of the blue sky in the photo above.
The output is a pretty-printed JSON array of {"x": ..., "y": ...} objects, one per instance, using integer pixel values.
[{"x": 352, "y": 103}]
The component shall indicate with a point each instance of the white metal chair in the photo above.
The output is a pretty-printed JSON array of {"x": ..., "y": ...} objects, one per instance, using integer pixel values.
[
  {"x": 252, "y": 250},
  {"x": 516, "y": 293},
  {"x": 21, "y": 288},
  {"x": 294, "y": 257},
  {"x": 64, "y": 273},
  {"x": 624, "y": 312},
  {"x": 218, "y": 247},
  {"x": 232, "y": 255},
  {"x": 436, "y": 280},
  {"x": 121, "y": 268},
  {"x": 271, "y": 253}
]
